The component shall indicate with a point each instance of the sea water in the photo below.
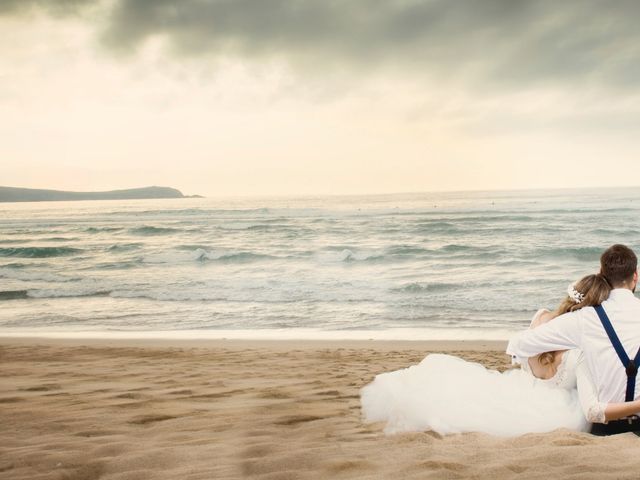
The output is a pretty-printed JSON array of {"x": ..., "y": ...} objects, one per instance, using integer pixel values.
[{"x": 407, "y": 266}]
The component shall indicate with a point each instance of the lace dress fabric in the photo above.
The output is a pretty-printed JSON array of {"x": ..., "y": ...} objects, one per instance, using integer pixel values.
[{"x": 571, "y": 372}]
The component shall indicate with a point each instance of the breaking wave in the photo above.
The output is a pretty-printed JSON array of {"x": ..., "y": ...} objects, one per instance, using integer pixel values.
[
  {"x": 150, "y": 230},
  {"x": 39, "y": 252}
]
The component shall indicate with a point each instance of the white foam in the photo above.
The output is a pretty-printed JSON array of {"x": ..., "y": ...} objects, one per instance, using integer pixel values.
[
  {"x": 346, "y": 255},
  {"x": 272, "y": 334},
  {"x": 39, "y": 276}
]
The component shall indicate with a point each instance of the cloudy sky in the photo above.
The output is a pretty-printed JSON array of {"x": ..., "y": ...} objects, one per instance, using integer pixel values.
[{"x": 270, "y": 97}]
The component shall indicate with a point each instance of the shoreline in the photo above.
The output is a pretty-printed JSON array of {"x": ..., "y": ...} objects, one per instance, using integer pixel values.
[
  {"x": 240, "y": 344},
  {"x": 461, "y": 334}
]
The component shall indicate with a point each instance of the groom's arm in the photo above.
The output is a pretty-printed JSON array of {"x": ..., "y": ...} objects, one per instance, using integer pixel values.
[
  {"x": 593, "y": 409},
  {"x": 561, "y": 333}
]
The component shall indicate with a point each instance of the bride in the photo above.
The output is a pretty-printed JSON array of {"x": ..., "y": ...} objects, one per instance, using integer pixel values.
[{"x": 446, "y": 394}]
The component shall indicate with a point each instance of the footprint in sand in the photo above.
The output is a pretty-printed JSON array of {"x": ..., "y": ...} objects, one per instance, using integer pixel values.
[
  {"x": 329, "y": 393},
  {"x": 181, "y": 392},
  {"x": 273, "y": 394},
  {"x": 42, "y": 388},
  {"x": 141, "y": 403},
  {"x": 436, "y": 464},
  {"x": 517, "y": 468},
  {"x": 258, "y": 451},
  {"x": 11, "y": 399},
  {"x": 350, "y": 466},
  {"x": 129, "y": 395},
  {"x": 296, "y": 419},
  {"x": 146, "y": 419},
  {"x": 208, "y": 396},
  {"x": 97, "y": 433}
]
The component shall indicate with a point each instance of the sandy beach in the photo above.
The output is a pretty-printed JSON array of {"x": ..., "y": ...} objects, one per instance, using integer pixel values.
[{"x": 133, "y": 409}]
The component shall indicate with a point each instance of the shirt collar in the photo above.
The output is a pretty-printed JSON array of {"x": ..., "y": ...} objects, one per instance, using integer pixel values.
[{"x": 620, "y": 294}]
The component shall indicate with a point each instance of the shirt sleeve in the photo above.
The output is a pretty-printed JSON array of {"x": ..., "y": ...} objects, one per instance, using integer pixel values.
[
  {"x": 593, "y": 409},
  {"x": 561, "y": 333}
]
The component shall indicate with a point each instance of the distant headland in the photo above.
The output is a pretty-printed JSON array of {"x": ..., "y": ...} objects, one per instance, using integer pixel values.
[{"x": 13, "y": 194}]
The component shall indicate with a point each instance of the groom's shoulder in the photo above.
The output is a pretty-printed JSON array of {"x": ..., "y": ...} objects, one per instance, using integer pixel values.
[
  {"x": 622, "y": 297},
  {"x": 629, "y": 303}
]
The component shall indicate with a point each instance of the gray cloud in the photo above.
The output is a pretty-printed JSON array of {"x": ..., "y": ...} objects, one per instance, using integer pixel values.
[
  {"x": 55, "y": 7},
  {"x": 488, "y": 42}
]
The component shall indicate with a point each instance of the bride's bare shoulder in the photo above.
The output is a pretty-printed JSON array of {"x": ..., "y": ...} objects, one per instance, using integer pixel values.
[{"x": 541, "y": 317}]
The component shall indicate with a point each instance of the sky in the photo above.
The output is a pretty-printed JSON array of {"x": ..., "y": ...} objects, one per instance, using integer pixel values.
[{"x": 298, "y": 97}]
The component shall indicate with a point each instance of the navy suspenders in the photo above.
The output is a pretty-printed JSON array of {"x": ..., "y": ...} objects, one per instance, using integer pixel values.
[{"x": 631, "y": 366}]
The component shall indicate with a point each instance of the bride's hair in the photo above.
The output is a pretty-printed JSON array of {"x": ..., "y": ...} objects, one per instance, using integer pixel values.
[{"x": 594, "y": 290}]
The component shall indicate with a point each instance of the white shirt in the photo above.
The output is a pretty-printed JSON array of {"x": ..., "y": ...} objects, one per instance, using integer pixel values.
[
  {"x": 582, "y": 329},
  {"x": 593, "y": 409}
]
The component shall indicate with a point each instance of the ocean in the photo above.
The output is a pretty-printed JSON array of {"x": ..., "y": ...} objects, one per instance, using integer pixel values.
[{"x": 459, "y": 265}]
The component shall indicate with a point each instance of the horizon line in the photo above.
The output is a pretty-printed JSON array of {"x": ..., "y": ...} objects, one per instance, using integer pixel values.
[{"x": 369, "y": 194}]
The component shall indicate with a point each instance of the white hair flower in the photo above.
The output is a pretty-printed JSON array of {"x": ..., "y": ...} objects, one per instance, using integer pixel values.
[{"x": 574, "y": 294}]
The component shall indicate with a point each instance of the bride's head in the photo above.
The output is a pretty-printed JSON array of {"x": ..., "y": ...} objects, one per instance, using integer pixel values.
[{"x": 586, "y": 292}]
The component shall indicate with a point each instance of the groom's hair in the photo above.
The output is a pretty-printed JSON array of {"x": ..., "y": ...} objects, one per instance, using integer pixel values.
[{"x": 618, "y": 263}]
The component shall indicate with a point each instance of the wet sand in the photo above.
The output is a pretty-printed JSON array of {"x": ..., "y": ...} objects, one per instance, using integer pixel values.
[{"x": 217, "y": 409}]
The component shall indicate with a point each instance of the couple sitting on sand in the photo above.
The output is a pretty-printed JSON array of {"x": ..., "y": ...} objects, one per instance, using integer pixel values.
[{"x": 579, "y": 365}]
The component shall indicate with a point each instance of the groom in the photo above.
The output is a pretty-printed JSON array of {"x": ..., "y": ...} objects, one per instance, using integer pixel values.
[{"x": 609, "y": 337}]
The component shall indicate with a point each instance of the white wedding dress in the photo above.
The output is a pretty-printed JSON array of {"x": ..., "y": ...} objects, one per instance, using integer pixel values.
[{"x": 447, "y": 394}]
